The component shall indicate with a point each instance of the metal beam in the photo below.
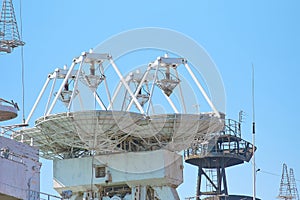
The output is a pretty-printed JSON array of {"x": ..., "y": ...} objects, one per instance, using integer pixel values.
[
  {"x": 170, "y": 102},
  {"x": 126, "y": 86},
  {"x": 155, "y": 64},
  {"x": 202, "y": 90},
  {"x": 64, "y": 82},
  {"x": 139, "y": 87},
  {"x": 37, "y": 100},
  {"x": 110, "y": 106}
]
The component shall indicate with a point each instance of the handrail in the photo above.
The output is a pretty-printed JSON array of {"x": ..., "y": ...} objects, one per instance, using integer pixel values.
[{"x": 232, "y": 127}]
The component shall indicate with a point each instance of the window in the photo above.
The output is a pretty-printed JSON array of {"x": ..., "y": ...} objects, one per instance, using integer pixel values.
[{"x": 100, "y": 172}]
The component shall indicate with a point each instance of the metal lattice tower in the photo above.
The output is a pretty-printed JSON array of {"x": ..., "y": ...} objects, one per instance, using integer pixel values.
[
  {"x": 285, "y": 185},
  {"x": 294, "y": 190},
  {"x": 9, "y": 34}
]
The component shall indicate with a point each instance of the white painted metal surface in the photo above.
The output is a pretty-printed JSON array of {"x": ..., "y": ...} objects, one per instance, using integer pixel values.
[
  {"x": 118, "y": 131},
  {"x": 95, "y": 121},
  {"x": 86, "y": 74}
]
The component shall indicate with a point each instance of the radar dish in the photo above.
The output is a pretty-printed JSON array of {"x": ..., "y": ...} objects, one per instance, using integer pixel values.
[
  {"x": 95, "y": 122},
  {"x": 60, "y": 135}
]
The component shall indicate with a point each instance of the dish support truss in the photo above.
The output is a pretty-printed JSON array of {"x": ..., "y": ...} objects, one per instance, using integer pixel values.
[
  {"x": 80, "y": 131},
  {"x": 90, "y": 72}
]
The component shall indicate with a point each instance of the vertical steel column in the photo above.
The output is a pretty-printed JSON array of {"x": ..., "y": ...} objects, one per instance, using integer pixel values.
[
  {"x": 225, "y": 190},
  {"x": 219, "y": 180},
  {"x": 198, "y": 192}
]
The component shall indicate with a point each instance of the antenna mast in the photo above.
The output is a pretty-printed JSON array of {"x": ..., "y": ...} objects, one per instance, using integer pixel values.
[
  {"x": 294, "y": 190},
  {"x": 288, "y": 187},
  {"x": 9, "y": 34},
  {"x": 253, "y": 137},
  {"x": 285, "y": 186}
]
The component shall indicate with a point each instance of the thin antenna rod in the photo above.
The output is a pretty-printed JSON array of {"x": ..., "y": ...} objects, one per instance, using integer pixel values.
[
  {"x": 23, "y": 67},
  {"x": 253, "y": 136}
]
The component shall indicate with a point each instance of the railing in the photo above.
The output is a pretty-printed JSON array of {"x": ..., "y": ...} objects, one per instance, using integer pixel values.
[
  {"x": 5, "y": 153},
  {"x": 35, "y": 195},
  {"x": 222, "y": 143},
  {"x": 10, "y": 132},
  {"x": 242, "y": 149},
  {"x": 28, "y": 194},
  {"x": 232, "y": 127}
]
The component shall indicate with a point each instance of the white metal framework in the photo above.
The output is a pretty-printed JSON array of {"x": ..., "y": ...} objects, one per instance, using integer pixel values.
[
  {"x": 93, "y": 119},
  {"x": 119, "y": 145},
  {"x": 139, "y": 86}
]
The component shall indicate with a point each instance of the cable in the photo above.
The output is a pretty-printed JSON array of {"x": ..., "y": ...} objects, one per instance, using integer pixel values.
[
  {"x": 272, "y": 174},
  {"x": 94, "y": 152},
  {"x": 22, "y": 63}
]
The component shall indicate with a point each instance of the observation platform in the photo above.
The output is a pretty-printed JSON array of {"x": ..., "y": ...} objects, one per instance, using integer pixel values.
[
  {"x": 8, "y": 110},
  {"x": 223, "y": 150},
  {"x": 220, "y": 151}
]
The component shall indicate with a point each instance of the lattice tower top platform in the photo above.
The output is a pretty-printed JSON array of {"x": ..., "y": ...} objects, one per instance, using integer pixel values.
[{"x": 9, "y": 33}]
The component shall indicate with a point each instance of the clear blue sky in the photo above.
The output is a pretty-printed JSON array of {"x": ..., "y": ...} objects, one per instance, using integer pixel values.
[{"x": 235, "y": 34}]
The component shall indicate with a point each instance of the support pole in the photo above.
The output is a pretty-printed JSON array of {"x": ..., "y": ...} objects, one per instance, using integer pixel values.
[
  {"x": 198, "y": 192},
  {"x": 181, "y": 94},
  {"x": 224, "y": 181},
  {"x": 54, "y": 77},
  {"x": 139, "y": 87},
  {"x": 219, "y": 179},
  {"x": 63, "y": 84},
  {"x": 126, "y": 86},
  {"x": 99, "y": 101},
  {"x": 75, "y": 87},
  {"x": 253, "y": 164},
  {"x": 110, "y": 106},
  {"x": 171, "y": 103},
  {"x": 106, "y": 86},
  {"x": 202, "y": 90},
  {"x": 152, "y": 87},
  {"x": 38, "y": 100},
  {"x": 253, "y": 137}
]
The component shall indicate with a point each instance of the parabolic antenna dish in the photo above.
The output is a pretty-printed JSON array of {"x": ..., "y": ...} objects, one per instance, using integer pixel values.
[
  {"x": 118, "y": 131},
  {"x": 132, "y": 118}
]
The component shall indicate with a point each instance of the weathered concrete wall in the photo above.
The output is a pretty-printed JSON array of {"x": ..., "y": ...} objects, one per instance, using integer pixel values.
[
  {"x": 19, "y": 168},
  {"x": 155, "y": 168}
]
